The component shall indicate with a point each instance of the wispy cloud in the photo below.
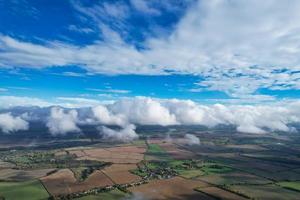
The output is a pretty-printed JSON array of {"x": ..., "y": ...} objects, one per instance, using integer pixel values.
[
  {"x": 13, "y": 101},
  {"x": 144, "y": 6},
  {"x": 80, "y": 29},
  {"x": 108, "y": 90}
]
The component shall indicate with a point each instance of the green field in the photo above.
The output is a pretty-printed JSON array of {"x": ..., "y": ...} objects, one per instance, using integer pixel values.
[
  {"x": 293, "y": 185},
  {"x": 190, "y": 173},
  {"x": 156, "y": 151},
  {"x": 215, "y": 169},
  {"x": 111, "y": 195},
  {"x": 30, "y": 190},
  {"x": 155, "y": 148}
]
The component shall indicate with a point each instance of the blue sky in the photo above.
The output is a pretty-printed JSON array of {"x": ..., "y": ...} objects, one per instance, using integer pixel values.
[{"x": 206, "y": 51}]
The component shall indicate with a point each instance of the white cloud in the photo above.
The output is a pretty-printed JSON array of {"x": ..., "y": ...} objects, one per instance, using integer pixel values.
[
  {"x": 105, "y": 116},
  {"x": 9, "y": 123},
  {"x": 109, "y": 90},
  {"x": 67, "y": 102},
  {"x": 237, "y": 46},
  {"x": 247, "y": 118},
  {"x": 106, "y": 10},
  {"x": 125, "y": 134},
  {"x": 191, "y": 139},
  {"x": 276, "y": 116},
  {"x": 76, "y": 102},
  {"x": 143, "y": 6},
  {"x": 61, "y": 122},
  {"x": 13, "y": 101},
  {"x": 141, "y": 110},
  {"x": 80, "y": 29}
]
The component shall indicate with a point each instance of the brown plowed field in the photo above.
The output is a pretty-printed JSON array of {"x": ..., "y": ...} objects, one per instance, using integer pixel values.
[
  {"x": 120, "y": 174},
  {"x": 119, "y": 155},
  {"x": 174, "y": 188},
  {"x": 64, "y": 182}
]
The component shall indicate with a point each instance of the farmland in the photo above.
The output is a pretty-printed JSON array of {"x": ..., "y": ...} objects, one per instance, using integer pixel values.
[
  {"x": 223, "y": 166},
  {"x": 27, "y": 190}
]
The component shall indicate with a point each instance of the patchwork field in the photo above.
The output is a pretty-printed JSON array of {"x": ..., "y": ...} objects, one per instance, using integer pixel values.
[{"x": 224, "y": 166}]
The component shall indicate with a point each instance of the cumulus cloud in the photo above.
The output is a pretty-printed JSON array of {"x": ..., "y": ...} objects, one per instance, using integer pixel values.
[
  {"x": 247, "y": 118},
  {"x": 125, "y": 134},
  {"x": 61, "y": 122},
  {"x": 141, "y": 110},
  {"x": 258, "y": 118},
  {"x": 191, "y": 139},
  {"x": 9, "y": 123},
  {"x": 104, "y": 116}
]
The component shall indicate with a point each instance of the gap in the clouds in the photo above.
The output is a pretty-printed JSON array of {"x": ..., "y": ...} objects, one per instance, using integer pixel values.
[
  {"x": 281, "y": 94},
  {"x": 75, "y": 82}
]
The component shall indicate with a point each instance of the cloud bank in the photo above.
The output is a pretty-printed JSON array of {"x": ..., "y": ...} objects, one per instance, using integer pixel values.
[
  {"x": 9, "y": 123},
  {"x": 128, "y": 112},
  {"x": 247, "y": 118}
]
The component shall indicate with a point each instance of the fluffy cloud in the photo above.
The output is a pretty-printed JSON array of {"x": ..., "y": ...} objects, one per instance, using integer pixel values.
[
  {"x": 61, "y": 122},
  {"x": 237, "y": 46},
  {"x": 145, "y": 111},
  {"x": 9, "y": 123},
  {"x": 104, "y": 116},
  {"x": 247, "y": 118},
  {"x": 191, "y": 139},
  {"x": 125, "y": 134},
  {"x": 149, "y": 111}
]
